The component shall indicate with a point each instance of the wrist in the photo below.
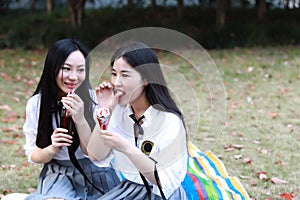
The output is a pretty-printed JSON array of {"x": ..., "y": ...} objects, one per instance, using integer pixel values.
[
  {"x": 53, "y": 150},
  {"x": 79, "y": 119}
]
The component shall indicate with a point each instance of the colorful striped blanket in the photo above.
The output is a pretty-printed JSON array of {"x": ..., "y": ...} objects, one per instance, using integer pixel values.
[{"x": 207, "y": 178}]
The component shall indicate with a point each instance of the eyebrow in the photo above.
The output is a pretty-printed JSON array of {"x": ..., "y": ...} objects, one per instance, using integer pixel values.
[
  {"x": 82, "y": 65},
  {"x": 123, "y": 71}
]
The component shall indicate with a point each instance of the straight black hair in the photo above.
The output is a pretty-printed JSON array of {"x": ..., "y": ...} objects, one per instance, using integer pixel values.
[{"x": 48, "y": 88}]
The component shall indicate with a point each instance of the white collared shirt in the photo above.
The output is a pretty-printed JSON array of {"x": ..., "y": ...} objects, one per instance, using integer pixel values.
[
  {"x": 166, "y": 131},
  {"x": 30, "y": 128}
]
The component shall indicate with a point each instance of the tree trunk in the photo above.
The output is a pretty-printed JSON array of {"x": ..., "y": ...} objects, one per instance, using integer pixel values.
[
  {"x": 76, "y": 8},
  {"x": 227, "y": 6},
  {"x": 50, "y": 6},
  {"x": 262, "y": 8},
  {"x": 221, "y": 14},
  {"x": 33, "y": 5},
  {"x": 129, "y": 3},
  {"x": 153, "y": 4},
  {"x": 180, "y": 9}
]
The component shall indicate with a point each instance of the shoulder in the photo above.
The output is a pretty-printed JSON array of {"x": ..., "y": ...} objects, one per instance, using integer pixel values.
[
  {"x": 119, "y": 116},
  {"x": 34, "y": 101},
  {"x": 174, "y": 123},
  {"x": 118, "y": 112},
  {"x": 169, "y": 118},
  {"x": 120, "y": 109},
  {"x": 172, "y": 117},
  {"x": 33, "y": 106}
]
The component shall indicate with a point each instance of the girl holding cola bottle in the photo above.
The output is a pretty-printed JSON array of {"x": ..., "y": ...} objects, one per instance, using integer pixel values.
[{"x": 59, "y": 120}]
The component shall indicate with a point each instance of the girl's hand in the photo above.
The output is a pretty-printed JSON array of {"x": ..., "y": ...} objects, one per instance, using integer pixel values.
[
  {"x": 116, "y": 141},
  {"x": 106, "y": 95},
  {"x": 60, "y": 138},
  {"x": 74, "y": 106}
]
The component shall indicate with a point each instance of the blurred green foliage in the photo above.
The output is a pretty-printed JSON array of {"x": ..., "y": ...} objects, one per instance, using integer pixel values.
[{"x": 35, "y": 30}]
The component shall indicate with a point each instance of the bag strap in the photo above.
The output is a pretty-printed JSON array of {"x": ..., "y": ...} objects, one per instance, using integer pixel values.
[
  {"x": 67, "y": 123},
  {"x": 155, "y": 169},
  {"x": 158, "y": 181},
  {"x": 79, "y": 168},
  {"x": 144, "y": 179}
]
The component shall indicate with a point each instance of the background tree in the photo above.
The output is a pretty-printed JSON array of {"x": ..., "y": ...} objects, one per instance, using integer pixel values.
[
  {"x": 129, "y": 3},
  {"x": 49, "y": 6},
  {"x": 262, "y": 8},
  {"x": 3, "y": 5},
  {"x": 180, "y": 9},
  {"x": 153, "y": 4},
  {"x": 220, "y": 13},
  {"x": 33, "y": 4},
  {"x": 76, "y": 8}
]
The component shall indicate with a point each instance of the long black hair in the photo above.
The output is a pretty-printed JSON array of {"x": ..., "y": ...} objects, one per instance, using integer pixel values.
[
  {"x": 144, "y": 60},
  {"x": 48, "y": 88}
]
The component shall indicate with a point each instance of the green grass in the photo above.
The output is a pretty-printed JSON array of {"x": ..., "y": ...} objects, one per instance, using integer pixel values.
[{"x": 262, "y": 114}]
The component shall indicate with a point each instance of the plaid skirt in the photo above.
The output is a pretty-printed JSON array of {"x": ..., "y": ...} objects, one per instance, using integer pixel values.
[
  {"x": 60, "y": 179},
  {"x": 128, "y": 190}
]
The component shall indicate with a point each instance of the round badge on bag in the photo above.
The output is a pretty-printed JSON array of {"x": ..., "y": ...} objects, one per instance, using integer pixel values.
[{"x": 147, "y": 147}]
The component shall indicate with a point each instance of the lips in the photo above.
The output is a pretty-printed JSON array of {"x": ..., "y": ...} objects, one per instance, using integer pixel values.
[
  {"x": 119, "y": 92},
  {"x": 70, "y": 86}
]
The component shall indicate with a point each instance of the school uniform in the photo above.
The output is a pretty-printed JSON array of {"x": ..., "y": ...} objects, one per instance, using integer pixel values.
[
  {"x": 163, "y": 140},
  {"x": 59, "y": 178}
]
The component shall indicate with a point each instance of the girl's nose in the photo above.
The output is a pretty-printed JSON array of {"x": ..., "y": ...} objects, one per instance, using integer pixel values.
[
  {"x": 73, "y": 75},
  {"x": 117, "y": 81}
]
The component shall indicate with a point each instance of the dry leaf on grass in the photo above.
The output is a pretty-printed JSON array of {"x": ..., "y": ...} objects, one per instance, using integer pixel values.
[
  {"x": 276, "y": 180},
  {"x": 246, "y": 161}
]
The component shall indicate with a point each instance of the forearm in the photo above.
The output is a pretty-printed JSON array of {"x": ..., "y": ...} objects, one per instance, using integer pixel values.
[
  {"x": 44, "y": 155},
  {"x": 143, "y": 163},
  {"x": 84, "y": 132},
  {"x": 96, "y": 148}
]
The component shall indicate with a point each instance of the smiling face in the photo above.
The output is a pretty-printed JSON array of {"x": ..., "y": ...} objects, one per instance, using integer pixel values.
[
  {"x": 127, "y": 81},
  {"x": 72, "y": 73}
]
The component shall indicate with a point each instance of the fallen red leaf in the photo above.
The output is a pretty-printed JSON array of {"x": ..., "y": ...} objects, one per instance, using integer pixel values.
[
  {"x": 5, "y": 107},
  {"x": 4, "y": 76},
  {"x": 258, "y": 173},
  {"x": 30, "y": 83},
  {"x": 287, "y": 196},
  {"x": 265, "y": 151},
  {"x": 273, "y": 114},
  {"x": 21, "y": 152},
  {"x": 16, "y": 99},
  {"x": 252, "y": 182},
  {"x": 12, "y": 117},
  {"x": 10, "y": 129},
  {"x": 12, "y": 142}
]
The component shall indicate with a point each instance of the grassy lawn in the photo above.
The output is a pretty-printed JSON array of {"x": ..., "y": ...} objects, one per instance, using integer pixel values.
[{"x": 260, "y": 139}]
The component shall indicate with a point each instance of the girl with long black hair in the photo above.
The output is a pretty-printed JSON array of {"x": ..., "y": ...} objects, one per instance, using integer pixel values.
[
  {"x": 64, "y": 88},
  {"x": 146, "y": 131}
]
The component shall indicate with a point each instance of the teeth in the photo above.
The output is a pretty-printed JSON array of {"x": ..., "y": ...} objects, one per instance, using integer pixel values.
[{"x": 122, "y": 92}]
